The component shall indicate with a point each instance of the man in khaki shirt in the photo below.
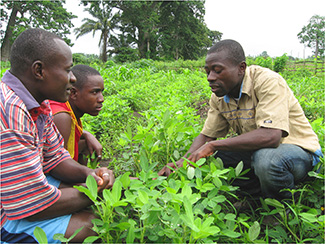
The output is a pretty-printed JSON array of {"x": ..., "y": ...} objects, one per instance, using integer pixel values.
[{"x": 274, "y": 138}]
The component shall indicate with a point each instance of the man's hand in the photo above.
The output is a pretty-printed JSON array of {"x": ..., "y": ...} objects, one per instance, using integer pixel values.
[
  {"x": 104, "y": 177},
  {"x": 93, "y": 144},
  {"x": 203, "y": 152},
  {"x": 166, "y": 171},
  {"x": 196, "y": 148}
]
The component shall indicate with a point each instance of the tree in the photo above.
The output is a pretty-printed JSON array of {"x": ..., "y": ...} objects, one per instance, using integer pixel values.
[
  {"x": 140, "y": 19},
  {"x": 313, "y": 35},
  {"x": 105, "y": 21},
  {"x": 264, "y": 54},
  {"x": 21, "y": 15},
  {"x": 169, "y": 29},
  {"x": 183, "y": 31}
]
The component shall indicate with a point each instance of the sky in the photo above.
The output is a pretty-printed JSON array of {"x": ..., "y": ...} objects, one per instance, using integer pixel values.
[{"x": 269, "y": 25}]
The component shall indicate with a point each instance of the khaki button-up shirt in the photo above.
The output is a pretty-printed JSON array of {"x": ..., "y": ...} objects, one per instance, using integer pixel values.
[{"x": 266, "y": 101}]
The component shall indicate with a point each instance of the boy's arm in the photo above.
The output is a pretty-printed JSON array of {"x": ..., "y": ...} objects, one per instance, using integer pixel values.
[
  {"x": 91, "y": 143},
  {"x": 63, "y": 123}
]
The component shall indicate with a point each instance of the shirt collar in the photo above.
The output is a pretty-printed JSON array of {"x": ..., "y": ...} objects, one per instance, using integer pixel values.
[
  {"x": 18, "y": 87},
  {"x": 245, "y": 86},
  {"x": 226, "y": 98}
]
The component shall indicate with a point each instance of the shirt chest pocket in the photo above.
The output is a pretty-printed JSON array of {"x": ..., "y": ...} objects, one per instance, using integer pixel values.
[{"x": 241, "y": 120}]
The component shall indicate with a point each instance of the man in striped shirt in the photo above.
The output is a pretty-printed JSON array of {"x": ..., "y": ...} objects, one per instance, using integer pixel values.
[{"x": 37, "y": 173}]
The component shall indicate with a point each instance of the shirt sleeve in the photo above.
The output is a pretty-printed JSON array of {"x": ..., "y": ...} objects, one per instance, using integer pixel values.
[
  {"x": 215, "y": 126},
  {"x": 24, "y": 188},
  {"x": 272, "y": 110}
]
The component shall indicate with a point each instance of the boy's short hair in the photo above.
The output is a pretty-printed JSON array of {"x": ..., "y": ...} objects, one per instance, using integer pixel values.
[
  {"x": 32, "y": 45},
  {"x": 82, "y": 72},
  {"x": 234, "y": 50}
]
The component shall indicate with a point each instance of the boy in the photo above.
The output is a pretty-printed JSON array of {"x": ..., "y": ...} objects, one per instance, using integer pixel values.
[{"x": 85, "y": 97}]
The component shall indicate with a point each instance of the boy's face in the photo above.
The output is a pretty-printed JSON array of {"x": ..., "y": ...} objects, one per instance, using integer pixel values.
[
  {"x": 89, "y": 99},
  {"x": 57, "y": 76}
]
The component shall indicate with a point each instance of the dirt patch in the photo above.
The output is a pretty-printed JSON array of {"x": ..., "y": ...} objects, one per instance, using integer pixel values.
[{"x": 202, "y": 108}]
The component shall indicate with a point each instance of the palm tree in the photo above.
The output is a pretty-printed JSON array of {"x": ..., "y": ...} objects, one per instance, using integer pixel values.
[{"x": 105, "y": 21}]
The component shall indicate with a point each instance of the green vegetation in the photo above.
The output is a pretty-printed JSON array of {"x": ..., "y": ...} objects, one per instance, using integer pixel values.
[
  {"x": 20, "y": 15},
  {"x": 152, "y": 112}
]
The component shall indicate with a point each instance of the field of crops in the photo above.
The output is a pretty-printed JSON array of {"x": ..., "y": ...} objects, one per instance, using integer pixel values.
[{"x": 151, "y": 114}]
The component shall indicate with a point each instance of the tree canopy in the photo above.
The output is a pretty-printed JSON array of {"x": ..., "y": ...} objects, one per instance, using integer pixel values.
[
  {"x": 158, "y": 29},
  {"x": 21, "y": 15},
  {"x": 105, "y": 22},
  {"x": 313, "y": 34}
]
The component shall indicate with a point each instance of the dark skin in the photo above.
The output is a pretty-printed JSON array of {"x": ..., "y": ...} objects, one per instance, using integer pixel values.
[
  {"x": 53, "y": 80},
  {"x": 225, "y": 78},
  {"x": 87, "y": 99}
]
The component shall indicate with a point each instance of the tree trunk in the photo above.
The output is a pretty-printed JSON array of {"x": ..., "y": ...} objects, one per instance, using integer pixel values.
[
  {"x": 143, "y": 43},
  {"x": 104, "y": 48},
  {"x": 316, "y": 54},
  {"x": 6, "y": 45}
]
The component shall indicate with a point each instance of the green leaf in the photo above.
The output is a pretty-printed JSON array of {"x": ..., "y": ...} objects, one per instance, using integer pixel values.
[
  {"x": 143, "y": 196},
  {"x": 230, "y": 233},
  {"x": 60, "y": 237},
  {"x": 85, "y": 191},
  {"x": 40, "y": 235},
  {"x": 219, "y": 199},
  {"x": 190, "y": 172},
  {"x": 117, "y": 191},
  {"x": 254, "y": 231},
  {"x": 274, "y": 203},
  {"x": 131, "y": 234},
  {"x": 186, "y": 190},
  {"x": 198, "y": 183},
  {"x": 125, "y": 180},
  {"x": 74, "y": 234},
  {"x": 92, "y": 186},
  {"x": 239, "y": 168},
  {"x": 155, "y": 147},
  {"x": 188, "y": 209},
  {"x": 91, "y": 239},
  {"x": 201, "y": 161},
  {"x": 309, "y": 217},
  {"x": 207, "y": 187}
]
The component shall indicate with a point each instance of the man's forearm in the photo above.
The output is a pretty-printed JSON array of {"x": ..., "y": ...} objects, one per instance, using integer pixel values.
[
  {"x": 254, "y": 140},
  {"x": 70, "y": 171}
]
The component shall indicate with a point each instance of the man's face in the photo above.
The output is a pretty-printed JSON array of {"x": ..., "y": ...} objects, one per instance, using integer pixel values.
[
  {"x": 57, "y": 75},
  {"x": 224, "y": 77},
  {"x": 89, "y": 99}
]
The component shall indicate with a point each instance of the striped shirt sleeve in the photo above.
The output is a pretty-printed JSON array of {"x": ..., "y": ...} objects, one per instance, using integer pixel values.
[{"x": 24, "y": 189}]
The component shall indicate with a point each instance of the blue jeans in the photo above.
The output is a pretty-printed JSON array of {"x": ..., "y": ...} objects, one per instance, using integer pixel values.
[{"x": 273, "y": 169}]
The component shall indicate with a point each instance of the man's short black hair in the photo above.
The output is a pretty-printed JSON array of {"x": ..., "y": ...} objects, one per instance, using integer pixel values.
[
  {"x": 32, "y": 45},
  {"x": 234, "y": 50},
  {"x": 82, "y": 72}
]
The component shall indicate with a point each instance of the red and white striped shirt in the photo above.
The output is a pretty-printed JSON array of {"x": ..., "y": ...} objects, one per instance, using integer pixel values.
[{"x": 29, "y": 149}]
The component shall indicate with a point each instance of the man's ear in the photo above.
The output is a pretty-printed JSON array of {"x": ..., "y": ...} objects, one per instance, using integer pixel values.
[
  {"x": 242, "y": 67},
  {"x": 73, "y": 93},
  {"x": 37, "y": 69}
]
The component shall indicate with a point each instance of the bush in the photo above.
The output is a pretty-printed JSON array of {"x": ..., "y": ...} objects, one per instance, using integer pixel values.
[{"x": 280, "y": 63}]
